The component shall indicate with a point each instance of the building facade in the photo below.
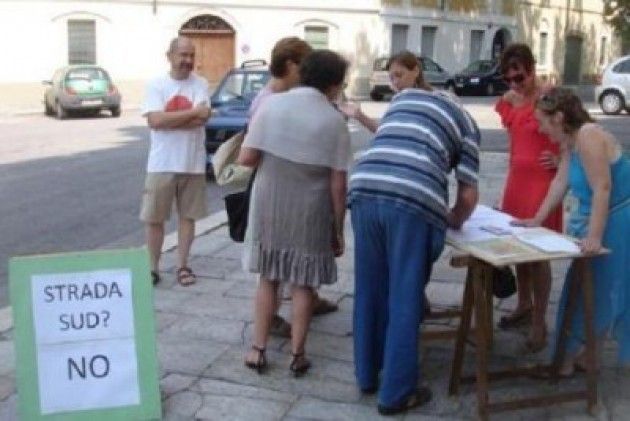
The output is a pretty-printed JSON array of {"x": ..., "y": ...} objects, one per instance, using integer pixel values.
[{"x": 129, "y": 37}]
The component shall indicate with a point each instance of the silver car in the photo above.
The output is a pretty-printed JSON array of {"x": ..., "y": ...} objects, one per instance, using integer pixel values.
[
  {"x": 381, "y": 86},
  {"x": 613, "y": 94}
]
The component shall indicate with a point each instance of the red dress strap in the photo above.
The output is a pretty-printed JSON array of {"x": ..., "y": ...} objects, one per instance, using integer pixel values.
[{"x": 506, "y": 110}]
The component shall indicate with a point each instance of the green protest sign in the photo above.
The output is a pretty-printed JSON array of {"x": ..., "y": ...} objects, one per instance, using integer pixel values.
[{"x": 85, "y": 336}]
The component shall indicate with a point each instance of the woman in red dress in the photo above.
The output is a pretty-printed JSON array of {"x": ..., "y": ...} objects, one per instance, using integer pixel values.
[{"x": 532, "y": 166}]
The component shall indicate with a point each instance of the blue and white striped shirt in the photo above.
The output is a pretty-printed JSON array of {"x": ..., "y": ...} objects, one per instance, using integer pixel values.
[{"x": 421, "y": 138}]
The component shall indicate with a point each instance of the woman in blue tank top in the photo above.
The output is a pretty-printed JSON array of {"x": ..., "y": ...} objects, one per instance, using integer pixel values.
[{"x": 597, "y": 172}]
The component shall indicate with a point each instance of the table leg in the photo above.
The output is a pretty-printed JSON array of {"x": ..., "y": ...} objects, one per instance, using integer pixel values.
[
  {"x": 480, "y": 278},
  {"x": 587, "y": 294},
  {"x": 569, "y": 309},
  {"x": 462, "y": 334},
  {"x": 489, "y": 310}
]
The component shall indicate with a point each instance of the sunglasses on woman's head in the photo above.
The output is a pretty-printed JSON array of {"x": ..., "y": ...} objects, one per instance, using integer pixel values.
[
  {"x": 516, "y": 79},
  {"x": 547, "y": 103}
]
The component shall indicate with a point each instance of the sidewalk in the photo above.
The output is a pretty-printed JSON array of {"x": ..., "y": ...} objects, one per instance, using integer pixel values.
[{"x": 204, "y": 330}]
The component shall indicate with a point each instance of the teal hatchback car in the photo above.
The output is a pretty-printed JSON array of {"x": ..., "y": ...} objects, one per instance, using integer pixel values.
[{"x": 85, "y": 88}]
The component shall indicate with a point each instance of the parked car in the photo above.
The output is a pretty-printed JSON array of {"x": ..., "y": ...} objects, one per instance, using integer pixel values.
[
  {"x": 481, "y": 77},
  {"x": 230, "y": 104},
  {"x": 380, "y": 84},
  {"x": 85, "y": 88},
  {"x": 613, "y": 93}
]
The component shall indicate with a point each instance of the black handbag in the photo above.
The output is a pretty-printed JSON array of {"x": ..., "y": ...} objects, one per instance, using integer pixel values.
[
  {"x": 503, "y": 282},
  {"x": 237, "y": 208}
]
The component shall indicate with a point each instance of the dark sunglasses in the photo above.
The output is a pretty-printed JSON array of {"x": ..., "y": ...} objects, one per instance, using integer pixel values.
[
  {"x": 518, "y": 79},
  {"x": 547, "y": 103}
]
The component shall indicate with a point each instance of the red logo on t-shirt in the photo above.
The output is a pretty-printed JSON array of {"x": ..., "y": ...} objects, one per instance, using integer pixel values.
[{"x": 178, "y": 103}]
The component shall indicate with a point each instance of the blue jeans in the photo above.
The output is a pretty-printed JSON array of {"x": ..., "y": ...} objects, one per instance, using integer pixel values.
[{"x": 394, "y": 252}]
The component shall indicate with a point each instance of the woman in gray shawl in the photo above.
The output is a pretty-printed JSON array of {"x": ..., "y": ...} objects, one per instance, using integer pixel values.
[{"x": 301, "y": 146}]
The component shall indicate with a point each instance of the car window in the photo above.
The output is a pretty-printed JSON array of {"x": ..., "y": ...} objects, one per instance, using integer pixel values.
[
  {"x": 255, "y": 82},
  {"x": 238, "y": 85},
  {"x": 623, "y": 67},
  {"x": 479, "y": 66},
  {"x": 486, "y": 66},
  {"x": 232, "y": 88},
  {"x": 86, "y": 74},
  {"x": 380, "y": 64},
  {"x": 429, "y": 65}
]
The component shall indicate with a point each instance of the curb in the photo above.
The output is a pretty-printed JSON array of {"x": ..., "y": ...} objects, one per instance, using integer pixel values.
[
  {"x": 35, "y": 111},
  {"x": 202, "y": 227}
]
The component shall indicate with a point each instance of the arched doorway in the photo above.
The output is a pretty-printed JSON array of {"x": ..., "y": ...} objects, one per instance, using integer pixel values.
[
  {"x": 214, "y": 41},
  {"x": 501, "y": 39}
]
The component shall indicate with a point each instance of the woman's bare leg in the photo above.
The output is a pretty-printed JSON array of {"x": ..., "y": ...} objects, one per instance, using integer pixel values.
[
  {"x": 302, "y": 310},
  {"x": 264, "y": 309}
]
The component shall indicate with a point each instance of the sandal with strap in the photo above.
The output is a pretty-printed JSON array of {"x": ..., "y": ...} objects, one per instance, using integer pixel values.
[
  {"x": 260, "y": 365},
  {"x": 299, "y": 364},
  {"x": 420, "y": 397},
  {"x": 185, "y": 276}
]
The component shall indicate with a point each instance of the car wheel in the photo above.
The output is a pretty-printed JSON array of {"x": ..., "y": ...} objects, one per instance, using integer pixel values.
[
  {"x": 611, "y": 103},
  {"x": 451, "y": 88},
  {"x": 60, "y": 112},
  {"x": 115, "y": 111},
  {"x": 490, "y": 89},
  {"x": 376, "y": 96}
]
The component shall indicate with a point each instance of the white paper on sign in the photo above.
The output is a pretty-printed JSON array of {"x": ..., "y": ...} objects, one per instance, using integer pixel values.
[
  {"x": 73, "y": 376},
  {"x": 548, "y": 242},
  {"x": 81, "y": 306}
]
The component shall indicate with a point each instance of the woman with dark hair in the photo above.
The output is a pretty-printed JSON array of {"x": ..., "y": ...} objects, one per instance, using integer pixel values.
[
  {"x": 301, "y": 146},
  {"x": 593, "y": 166},
  {"x": 532, "y": 166}
]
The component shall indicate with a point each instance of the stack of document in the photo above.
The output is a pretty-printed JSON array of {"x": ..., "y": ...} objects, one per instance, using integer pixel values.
[{"x": 489, "y": 224}]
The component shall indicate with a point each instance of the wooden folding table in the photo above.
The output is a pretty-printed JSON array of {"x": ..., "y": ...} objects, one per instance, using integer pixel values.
[{"x": 477, "y": 294}]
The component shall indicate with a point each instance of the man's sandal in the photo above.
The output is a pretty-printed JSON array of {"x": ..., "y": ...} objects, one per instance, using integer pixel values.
[
  {"x": 185, "y": 276},
  {"x": 420, "y": 397},
  {"x": 260, "y": 365},
  {"x": 299, "y": 365}
]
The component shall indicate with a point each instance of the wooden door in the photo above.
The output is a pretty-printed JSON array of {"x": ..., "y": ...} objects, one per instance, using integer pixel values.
[{"x": 214, "y": 55}]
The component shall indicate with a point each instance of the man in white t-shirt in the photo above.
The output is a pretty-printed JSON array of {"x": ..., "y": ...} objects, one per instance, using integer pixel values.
[{"x": 176, "y": 108}]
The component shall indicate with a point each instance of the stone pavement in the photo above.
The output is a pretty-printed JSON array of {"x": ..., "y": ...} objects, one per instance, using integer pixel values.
[{"x": 204, "y": 330}]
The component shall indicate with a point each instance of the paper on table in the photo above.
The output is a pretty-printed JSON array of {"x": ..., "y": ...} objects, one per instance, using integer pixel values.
[
  {"x": 476, "y": 227},
  {"x": 548, "y": 242}
]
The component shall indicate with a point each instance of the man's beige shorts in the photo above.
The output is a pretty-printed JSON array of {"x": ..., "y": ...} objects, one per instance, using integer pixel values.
[{"x": 188, "y": 191}]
